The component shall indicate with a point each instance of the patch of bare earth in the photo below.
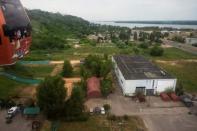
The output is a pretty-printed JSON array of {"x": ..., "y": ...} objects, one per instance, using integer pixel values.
[{"x": 69, "y": 82}]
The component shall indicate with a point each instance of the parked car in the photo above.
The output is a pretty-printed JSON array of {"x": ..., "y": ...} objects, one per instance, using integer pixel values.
[
  {"x": 13, "y": 110},
  {"x": 9, "y": 116},
  {"x": 102, "y": 110},
  {"x": 91, "y": 110},
  {"x": 186, "y": 100},
  {"x": 174, "y": 97},
  {"x": 164, "y": 97},
  {"x": 97, "y": 110}
]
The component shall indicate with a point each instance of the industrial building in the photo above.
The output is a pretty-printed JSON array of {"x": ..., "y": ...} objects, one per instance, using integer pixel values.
[{"x": 136, "y": 73}]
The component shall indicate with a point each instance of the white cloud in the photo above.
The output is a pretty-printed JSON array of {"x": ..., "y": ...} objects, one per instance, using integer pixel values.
[{"x": 120, "y": 9}]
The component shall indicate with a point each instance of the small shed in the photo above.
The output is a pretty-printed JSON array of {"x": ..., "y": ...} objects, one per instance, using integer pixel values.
[
  {"x": 31, "y": 111},
  {"x": 93, "y": 88}
]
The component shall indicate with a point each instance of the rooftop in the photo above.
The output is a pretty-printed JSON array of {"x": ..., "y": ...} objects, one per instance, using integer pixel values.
[{"x": 138, "y": 67}]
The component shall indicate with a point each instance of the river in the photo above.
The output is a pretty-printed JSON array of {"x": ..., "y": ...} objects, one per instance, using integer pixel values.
[{"x": 132, "y": 25}]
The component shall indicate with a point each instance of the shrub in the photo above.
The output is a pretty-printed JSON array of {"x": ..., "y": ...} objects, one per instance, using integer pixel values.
[
  {"x": 143, "y": 45},
  {"x": 169, "y": 90},
  {"x": 156, "y": 51},
  {"x": 107, "y": 107},
  {"x": 67, "y": 69},
  {"x": 126, "y": 117},
  {"x": 112, "y": 117}
]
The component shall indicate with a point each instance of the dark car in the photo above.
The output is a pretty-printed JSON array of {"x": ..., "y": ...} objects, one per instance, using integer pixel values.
[
  {"x": 187, "y": 101},
  {"x": 9, "y": 116},
  {"x": 97, "y": 110}
]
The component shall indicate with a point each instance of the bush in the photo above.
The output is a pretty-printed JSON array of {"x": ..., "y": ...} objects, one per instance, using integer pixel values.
[
  {"x": 107, "y": 107},
  {"x": 169, "y": 90},
  {"x": 67, "y": 69},
  {"x": 126, "y": 117},
  {"x": 143, "y": 45},
  {"x": 156, "y": 51},
  {"x": 106, "y": 87},
  {"x": 112, "y": 117}
]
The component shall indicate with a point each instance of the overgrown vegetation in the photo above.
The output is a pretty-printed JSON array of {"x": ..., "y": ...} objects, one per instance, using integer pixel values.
[{"x": 67, "y": 69}]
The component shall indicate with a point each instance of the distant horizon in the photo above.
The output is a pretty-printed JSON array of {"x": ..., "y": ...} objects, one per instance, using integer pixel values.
[{"x": 120, "y": 10}]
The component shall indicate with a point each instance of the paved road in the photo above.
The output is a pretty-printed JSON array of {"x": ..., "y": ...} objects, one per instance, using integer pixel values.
[{"x": 184, "y": 47}]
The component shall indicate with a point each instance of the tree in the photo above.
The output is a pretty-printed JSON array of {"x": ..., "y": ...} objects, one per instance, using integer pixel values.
[
  {"x": 74, "y": 107},
  {"x": 144, "y": 45},
  {"x": 135, "y": 36},
  {"x": 136, "y": 50},
  {"x": 156, "y": 51},
  {"x": 67, "y": 69},
  {"x": 106, "y": 87},
  {"x": 51, "y": 95},
  {"x": 105, "y": 68}
]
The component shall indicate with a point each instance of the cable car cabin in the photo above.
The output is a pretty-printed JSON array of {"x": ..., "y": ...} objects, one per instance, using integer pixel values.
[{"x": 15, "y": 32}]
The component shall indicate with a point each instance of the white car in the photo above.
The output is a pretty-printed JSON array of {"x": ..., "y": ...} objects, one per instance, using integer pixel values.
[
  {"x": 91, "y": 110},
  {"x": 102, "y": 110},
  {"x": 13, "y": 110}
]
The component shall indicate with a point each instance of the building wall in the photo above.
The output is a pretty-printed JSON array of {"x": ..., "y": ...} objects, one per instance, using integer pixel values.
[
  {"x": 191, "y": 40},
  {"x": 121, "y": 79},
  {"x": 159, "y": 85}
]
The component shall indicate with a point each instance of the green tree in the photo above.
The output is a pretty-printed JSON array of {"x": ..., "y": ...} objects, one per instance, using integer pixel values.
[
  {"x": 74, "y": 107},
  {"x": 67, "y": 69},
  {"x": 156, "y": 51},
  {"x": 51, "y": 95},
  {"x": 136, "y": 50},
  {"x": 135, "y": 36},
  {"x": 106, "y": 87},
  {"x": 105, "y": 68}
]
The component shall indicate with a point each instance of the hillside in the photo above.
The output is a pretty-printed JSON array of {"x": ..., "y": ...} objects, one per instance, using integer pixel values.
[{"x": 50, "y": 30}]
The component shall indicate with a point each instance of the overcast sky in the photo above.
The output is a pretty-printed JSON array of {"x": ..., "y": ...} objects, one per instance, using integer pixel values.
[{"x": 120, "y": 9}]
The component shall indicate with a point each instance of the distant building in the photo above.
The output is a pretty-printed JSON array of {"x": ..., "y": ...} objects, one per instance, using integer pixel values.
[
  {"x": 135, "y": 73},
  {"x": 191, "y": 41},
  {"x": 93, "y": 87}
]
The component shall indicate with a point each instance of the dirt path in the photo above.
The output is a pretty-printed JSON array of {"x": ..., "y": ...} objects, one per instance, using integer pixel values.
[
  {"x": 57, "y": 70},
  {"x": 69, "y": 84}
]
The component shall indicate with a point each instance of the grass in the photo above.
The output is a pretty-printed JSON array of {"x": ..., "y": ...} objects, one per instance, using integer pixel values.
[
  {"x": 30, "y": 71},
  {"x": 186, "y": 72},
  {"x": 85, "y": 50},
  {"x": 99, "y": 123},
  {"x": 41, "y": 71},
  {"x": 174, "y": 53},
  {"x": 9, "y": 87}
]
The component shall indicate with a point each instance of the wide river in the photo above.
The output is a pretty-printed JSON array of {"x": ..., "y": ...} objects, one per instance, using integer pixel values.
[{"x": 132, "y": 25}]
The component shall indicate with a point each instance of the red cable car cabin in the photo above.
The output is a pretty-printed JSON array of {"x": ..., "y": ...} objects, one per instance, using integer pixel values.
[{"x": 15, "y": 32}]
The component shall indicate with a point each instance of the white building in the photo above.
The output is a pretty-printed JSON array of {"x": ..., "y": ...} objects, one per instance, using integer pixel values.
[
  {"x": 135, "y": 73},
  {"x": 191, "y": 41}
]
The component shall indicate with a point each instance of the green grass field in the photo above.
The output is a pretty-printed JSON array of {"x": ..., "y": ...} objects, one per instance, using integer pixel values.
[
  {"x": 186, "y": 72},
  {"x": 85, "y": 50},
  {"x": 175, "y": 54},
  {"x": 99, "y": 123},
  {"x": 9, "y": 87}
]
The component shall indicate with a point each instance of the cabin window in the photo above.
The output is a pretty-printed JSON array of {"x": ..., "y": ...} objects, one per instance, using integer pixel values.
[{"x": 14, "y": 14}]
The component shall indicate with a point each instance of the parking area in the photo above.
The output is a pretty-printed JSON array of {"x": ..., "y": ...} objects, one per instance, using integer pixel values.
[
  {"x": 19, "y": 123},
  {"x": 159, "y": 116}
]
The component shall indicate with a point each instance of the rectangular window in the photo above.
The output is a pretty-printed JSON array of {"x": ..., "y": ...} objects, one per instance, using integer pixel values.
[{"x": 0, "y": 41}]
